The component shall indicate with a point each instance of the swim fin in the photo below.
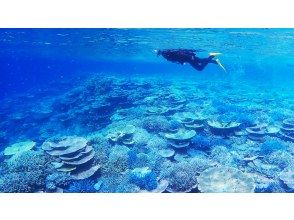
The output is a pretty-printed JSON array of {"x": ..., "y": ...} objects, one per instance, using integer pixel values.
[
  {"x": 220, "y": 64},
  {"x": 214, "y": 54}
]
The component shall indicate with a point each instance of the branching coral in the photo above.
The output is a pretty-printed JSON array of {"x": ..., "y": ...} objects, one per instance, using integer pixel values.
[
  {"x": 287, "y": 176},
  {"x": 182, "y": 177},
  {"x": 280, "y": 158},
  {"x": 61, "y": 180},
  {"x": 141, "y": 138},
  {"x": 28, "y": 161},
  {"x": 200, "y": 163},
  {"x": 155, "y": 124},
  {"x": 246, "y": 119},
  {"x": 138, "y": 160},
  {"x": 26, "y": 172},
  {"x": 118, "y": 161},
  {"x": 156, "y": 142},
  {"x": 81, "y": 186},
  {"x": 221, "y": 155},
  {"x": 22, "y": 182},
  {"x": 144, "y": 178},
  {"x": 269, "y": 170},
  {"x": 201, "y": 142},
  {"x": 101, "y": 147},
  {"x": 271, "y": 145},
  {"x": 117, "y": 183}
]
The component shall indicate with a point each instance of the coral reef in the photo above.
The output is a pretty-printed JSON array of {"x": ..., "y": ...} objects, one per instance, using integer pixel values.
[
  {"x": 121, "y": 134},
  {"x": 223, "y": 128},
  {"x": 118, "y": 161},
  {"x": 182, "y": 177},
  {"x": 81, "y": 186},
  {"x": 287, "y": 176},
  {"x": 201, "y": 142},
  {"x": 156, "y": 142},
  {"x": 166, "y": 153},
  {"x": 73, "y": 155},
  {"x": 269, "y": 170},
  {"x": 155, "y": 124},
  {"x": 287, "y": 130},
  {"x": 190, "y": 120},
  {"x": 225, "y": 180},
  {"x": 256, "y": 133},
  {"x": 271, "y": 145},
  {"x": 221, "y": 155},
  {"x": 280, "y": 158},
  {"x": 117, "y": 183},
  {"x": 181, "y": 139},
  {"x": 25, "y": 172},
  {"x": 58, "y": 180},
  {"x": 144, "y": 178},
  {"x": 19, "y": 147}
]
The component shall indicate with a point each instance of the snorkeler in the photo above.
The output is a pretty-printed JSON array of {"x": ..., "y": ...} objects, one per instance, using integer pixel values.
[{"x": 183, "y": 56}]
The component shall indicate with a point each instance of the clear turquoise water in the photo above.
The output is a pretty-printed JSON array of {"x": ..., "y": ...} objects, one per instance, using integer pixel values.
[{"x": 54, "y": 83}]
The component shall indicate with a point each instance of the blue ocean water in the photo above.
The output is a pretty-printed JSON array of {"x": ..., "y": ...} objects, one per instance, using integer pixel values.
[{"x": 96, "y": 110}]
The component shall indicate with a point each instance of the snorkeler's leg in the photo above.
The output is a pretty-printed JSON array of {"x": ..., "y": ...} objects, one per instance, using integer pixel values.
[
  {"x": 199, "y": 64},
  {"x": 216, "y": 61},
  {"x": 220, "y": 64},
  {"x": 213, "y": 61},
  {"x": 214, "y": 54}
]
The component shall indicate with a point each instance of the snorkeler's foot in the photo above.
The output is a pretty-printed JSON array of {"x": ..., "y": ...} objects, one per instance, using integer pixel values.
[
  {"x": 214, "y": 54},
  {"x": 220, "y": 64}
]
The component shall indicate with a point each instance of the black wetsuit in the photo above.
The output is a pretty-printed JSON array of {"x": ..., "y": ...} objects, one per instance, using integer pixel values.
[{"x": 186, "y": 56}]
